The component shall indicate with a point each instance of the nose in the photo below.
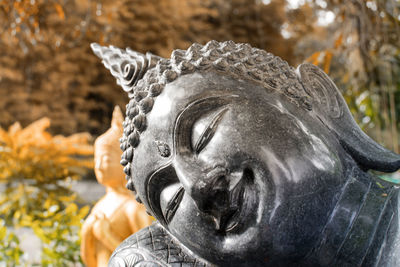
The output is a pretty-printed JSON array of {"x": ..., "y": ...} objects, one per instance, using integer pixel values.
[
  {"x": 211, "y": 195},
  {"x": 211, "y": 192},
  {"x": 98, "y": 162}
]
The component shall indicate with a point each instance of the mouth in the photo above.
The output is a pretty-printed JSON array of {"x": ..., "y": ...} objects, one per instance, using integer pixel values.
[
  {"x": 230, "y": 221},
  {"x": 240, "y": 205}
]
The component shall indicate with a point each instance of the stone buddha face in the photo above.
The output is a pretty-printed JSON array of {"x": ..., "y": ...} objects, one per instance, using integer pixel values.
[
  {"x": 230, "y": 182},
  {"x": 239, "y": 157}
]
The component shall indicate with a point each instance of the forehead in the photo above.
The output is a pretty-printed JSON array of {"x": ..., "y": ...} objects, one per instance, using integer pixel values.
[
  {"x": 175, "y": 97},
  {"x": 102, "y": 147},
  {"x": 179, "y": 94}
]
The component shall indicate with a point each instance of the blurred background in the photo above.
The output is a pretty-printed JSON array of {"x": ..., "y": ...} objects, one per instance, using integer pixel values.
[{"x": 62, "y": 97}]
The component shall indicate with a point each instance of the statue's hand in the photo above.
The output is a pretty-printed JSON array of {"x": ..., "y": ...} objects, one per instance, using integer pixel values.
[
  {"x": 101, "y": 222},
  {"x": 102, "y": 231},
  {"x": 100, "y": 225}
]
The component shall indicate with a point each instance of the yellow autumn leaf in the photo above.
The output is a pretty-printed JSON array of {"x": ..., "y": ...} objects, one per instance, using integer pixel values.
[
  {"x": 46, "y": 223},
  {"x": 339, "y": 41},
  {"x": 17, "y": 214},
  {"x": 14, "y": 129},
  {"x": 327, "y": 61},
  {"x": 60, "y": 11},
  {"x": 67, "y": 198},
  {"x": 83, "y": 212},
  {"x": 71, "y": 208},
  {"x": 314, "y": 58}
]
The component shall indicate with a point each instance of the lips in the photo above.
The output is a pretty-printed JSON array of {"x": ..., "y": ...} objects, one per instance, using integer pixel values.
[
  {"x": 228, "y": 221},
  {"x": 231, "y": 220}
]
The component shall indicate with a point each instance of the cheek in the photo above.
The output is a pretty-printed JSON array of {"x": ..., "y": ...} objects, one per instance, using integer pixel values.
[
  {"x": 115, "y": 168},
  {"x": 145, "y": 162}
]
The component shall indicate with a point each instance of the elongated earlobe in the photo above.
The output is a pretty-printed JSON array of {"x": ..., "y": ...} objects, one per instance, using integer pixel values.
[{"x": 330, "y": 107}]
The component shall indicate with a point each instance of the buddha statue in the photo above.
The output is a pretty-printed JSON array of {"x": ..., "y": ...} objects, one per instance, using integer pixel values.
[
  {"x": 116, "y": 215},
  {"x": 246, "y": 161}
]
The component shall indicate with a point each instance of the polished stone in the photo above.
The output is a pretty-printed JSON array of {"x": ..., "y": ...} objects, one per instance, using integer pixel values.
[{"x": 246, "y": 161}]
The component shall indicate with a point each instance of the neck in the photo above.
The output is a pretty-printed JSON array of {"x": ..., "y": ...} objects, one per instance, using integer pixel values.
[
  {"x": 117, "y": 190},
  {"x": 357, "y": 227}
]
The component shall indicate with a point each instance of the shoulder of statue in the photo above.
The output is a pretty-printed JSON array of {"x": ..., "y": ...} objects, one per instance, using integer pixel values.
[{"x": 152, "y": 246}]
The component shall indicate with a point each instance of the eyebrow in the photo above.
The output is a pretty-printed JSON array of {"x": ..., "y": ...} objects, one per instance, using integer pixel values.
[{"x": 209, "y": 132}]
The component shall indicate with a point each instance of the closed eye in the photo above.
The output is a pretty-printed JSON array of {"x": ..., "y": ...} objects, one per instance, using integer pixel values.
[
  {"x": 209, "y": 132},
  {"x": 186, "y": 141},
  {"x": 173, "y": 203}
]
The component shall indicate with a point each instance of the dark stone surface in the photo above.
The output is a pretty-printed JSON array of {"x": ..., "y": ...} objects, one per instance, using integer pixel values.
[{"x": 245, "y": 161}]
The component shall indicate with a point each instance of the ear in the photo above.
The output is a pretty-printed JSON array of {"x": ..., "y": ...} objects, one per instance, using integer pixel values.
[{"x": 330, "y": 107}]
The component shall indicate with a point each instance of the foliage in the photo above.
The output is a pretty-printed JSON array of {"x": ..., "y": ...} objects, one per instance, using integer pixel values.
[
  {"x": 10, "y": 252},
  {"x": 23, "y": 18},
  {"x": 47, "y": 61},
  {"x": 36, "y": 169},
  {"x": 361, "y": 51},
  {"x": 59, "y": 231}
]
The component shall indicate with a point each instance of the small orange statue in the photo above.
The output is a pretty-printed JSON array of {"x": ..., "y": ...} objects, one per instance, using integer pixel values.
[{"x": 116, "y": 215}]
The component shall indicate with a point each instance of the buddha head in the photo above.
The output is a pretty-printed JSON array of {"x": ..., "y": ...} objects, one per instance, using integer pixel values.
[
  {"x": 234, "y": 151},
  {"x": 107, "y": 154}
]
